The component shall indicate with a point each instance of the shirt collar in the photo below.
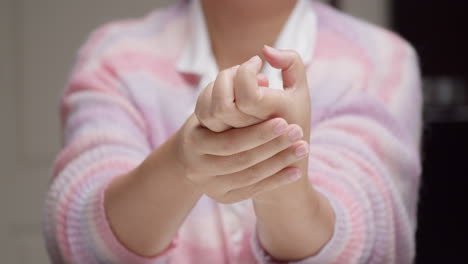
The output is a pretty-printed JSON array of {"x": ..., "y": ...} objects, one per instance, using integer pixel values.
[{"x": 299, "y": 34}]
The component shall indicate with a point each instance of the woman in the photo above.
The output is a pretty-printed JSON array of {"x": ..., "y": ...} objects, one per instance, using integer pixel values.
[{"x": 180, "y": 147}]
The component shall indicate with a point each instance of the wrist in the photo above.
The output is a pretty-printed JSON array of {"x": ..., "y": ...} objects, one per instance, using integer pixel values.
[
  {"x": 304, "y": 219},
  {"x": 164, "y": 169},
  {"x": 146, "y": 206}
]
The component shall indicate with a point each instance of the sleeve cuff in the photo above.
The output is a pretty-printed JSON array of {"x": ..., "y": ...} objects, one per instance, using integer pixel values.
[
  {"x": 114, "y": 246},
  {"x": 328, "y": 254}
]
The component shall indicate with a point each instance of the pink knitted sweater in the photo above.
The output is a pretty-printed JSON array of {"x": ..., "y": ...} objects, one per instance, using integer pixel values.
[{"x": 126, "y": 97}]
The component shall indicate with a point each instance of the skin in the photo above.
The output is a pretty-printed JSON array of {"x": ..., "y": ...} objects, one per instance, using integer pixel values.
[
  {"x": 235, "y": 40},
  {"x": 255, "y": 144}
]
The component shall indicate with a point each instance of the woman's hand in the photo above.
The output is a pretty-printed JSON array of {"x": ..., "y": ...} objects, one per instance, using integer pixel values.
[
  {"x": 291, "y": 103},
  {"x": 240, "y": 95},
  {"x": 240, "y": 163},
  {"x": 216, "y": 107}
]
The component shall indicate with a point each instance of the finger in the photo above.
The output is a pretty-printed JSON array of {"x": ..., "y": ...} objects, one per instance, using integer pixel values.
[
  {"x": 273, "y": 102},
  {"x": 262, "y": 80},
  {"x": 223, "y": 107},
  {"x": 265, "y": 169},
  {"x": 289, "y": 62},
  {"x": 223, "y": 94},
  {"x": 202, "y": 109},
  {"x": 285, "y": 176},
  {"x": 254, "y": 100},
  {"x": 241, "y": 161},
  {"x": 240, "y": 139},
  {"x": 246, "y": 89}
]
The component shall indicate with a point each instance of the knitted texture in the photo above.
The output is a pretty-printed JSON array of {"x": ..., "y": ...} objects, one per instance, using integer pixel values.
[{"x": 125, "y": 97}]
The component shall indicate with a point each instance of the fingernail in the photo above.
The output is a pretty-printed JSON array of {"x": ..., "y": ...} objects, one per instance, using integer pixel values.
[
  {"x": 236, "y": 67},
  {"x": 270, "y": 49},
  {"x": 302, "y": 150},
  {"x": 294, "y": 175},
  {"x": 255, "y": 59},
  {"x": 295, "y": 134},
  {"x": 280, "y": 126}
]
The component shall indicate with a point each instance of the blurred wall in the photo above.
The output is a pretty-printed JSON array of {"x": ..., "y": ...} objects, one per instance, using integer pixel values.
[
  {"x": 38, "y": 43},
  {"x": 8, "y": 118},
  {"x": 376, "y": 11}
]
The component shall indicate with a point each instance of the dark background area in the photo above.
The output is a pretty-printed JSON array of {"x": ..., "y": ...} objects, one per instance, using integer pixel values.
[{"x": 438, "y": 30}]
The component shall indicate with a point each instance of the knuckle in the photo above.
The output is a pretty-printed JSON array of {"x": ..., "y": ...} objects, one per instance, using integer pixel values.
[
  {"x": 202, "y": 116},
  {"x": 210, "y": 114},
  {"x": 242, "y": 105},
  {"x": 221, "y": 110},
  {"x": 207, "y": 119},
  {"x": 204, "y": 122},
  {"x": 247, "y": 103},
  {"x": 202, "y": 113}
]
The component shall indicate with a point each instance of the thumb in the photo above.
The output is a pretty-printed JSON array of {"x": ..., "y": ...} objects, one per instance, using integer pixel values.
[{"x": 288, "y": 61}]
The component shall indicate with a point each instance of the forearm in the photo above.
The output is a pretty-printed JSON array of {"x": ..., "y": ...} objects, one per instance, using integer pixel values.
[
  {"x": 147, "y": 206},
  {"x": 294, "y": 221}
]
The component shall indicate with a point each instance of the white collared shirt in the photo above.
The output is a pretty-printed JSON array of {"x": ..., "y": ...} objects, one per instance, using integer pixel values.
[{"x": 298, "y": 34}]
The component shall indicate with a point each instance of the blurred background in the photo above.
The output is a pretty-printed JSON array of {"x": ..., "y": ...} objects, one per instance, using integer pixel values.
[{"x": 38, "y": 43}]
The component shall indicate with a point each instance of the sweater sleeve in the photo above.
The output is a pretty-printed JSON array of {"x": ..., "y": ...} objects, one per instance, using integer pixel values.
[
  {"x": 105, "y": 136},
  {"x": 365, "y": 159}
]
